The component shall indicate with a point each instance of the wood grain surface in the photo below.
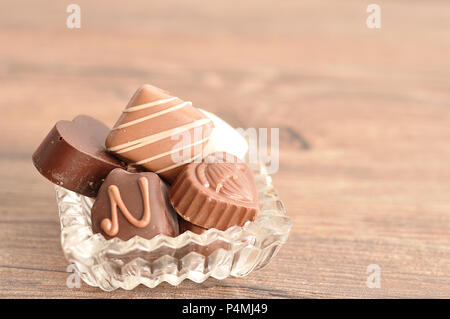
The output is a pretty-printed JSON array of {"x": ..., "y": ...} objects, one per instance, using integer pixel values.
[{"x": 364, "y": 119}]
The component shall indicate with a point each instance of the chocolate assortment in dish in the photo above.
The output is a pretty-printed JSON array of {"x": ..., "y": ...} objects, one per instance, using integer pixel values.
[
  {"x": 168, "y": 181},
  {"x": 218, "y": 192}
]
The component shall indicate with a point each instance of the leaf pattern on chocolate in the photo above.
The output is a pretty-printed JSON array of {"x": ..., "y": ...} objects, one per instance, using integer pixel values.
[{"x": 230, "y": 180}]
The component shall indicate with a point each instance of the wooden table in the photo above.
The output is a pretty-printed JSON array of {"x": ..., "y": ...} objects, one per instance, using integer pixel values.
[{"x": 364, "y": 119}]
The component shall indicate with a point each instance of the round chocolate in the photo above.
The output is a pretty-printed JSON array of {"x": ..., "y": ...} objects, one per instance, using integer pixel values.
[
  {"x": 219, "y": 192},
  {"x": 133, "y": 204},
  {"x": 73, "y": 155}
]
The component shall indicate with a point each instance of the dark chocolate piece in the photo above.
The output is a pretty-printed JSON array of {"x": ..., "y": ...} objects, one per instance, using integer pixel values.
[
  {"x": 219, "y": 192},
  {"x": 73, "y": 155},
  {"x": 130, "y": 204}
]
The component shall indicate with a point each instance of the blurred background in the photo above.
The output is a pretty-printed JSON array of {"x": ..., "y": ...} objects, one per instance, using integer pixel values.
[{"x": 364, "y": 119}]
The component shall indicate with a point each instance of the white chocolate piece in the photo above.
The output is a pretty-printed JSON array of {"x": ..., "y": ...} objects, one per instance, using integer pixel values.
[{"x": 224, "y": 138}]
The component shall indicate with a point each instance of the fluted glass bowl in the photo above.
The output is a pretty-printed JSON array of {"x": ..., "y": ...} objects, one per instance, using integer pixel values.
[{"x": 114, "y": 263}]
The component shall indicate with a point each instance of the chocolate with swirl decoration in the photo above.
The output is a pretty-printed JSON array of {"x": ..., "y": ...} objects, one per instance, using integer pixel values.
[
  {"x": 159, "y": 132},
  {"x": 219, "y": 192},
  {"x": 130, "y": 204},
  {"x": 111, "y": 225}
]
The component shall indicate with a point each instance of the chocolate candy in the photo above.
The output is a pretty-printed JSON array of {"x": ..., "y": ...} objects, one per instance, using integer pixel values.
[
  {"x": 130, "y": 204},
  {"x": 219, "y": 192},
  {"x": 224, "y": 138},
  {"x": 73, "y": 155},
  {"x": 188, "y": 226},
  {"x": 159, "y": 132}
]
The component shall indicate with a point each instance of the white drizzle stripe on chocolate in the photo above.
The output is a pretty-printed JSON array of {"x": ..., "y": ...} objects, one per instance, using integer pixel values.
[
  {"x": 169, "y": 152},
  {"x": 146, "y": 105},
  {"x": 168, "y": 168},
  {"x": 148, "y": 117},
  {"x": 129, "y": 146}
]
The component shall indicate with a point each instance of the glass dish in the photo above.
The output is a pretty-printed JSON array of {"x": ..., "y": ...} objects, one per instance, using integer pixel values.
[{"x": 112, "y": 264}]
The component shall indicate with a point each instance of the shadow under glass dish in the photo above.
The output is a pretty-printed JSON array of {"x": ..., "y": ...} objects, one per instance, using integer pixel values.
[{"x": 114, "y": 263}]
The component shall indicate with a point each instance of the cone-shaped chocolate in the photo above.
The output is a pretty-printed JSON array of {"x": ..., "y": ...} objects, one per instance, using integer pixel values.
[
  {"x": 159, "y": 132},
  {"x": 215, "y": 194},
  {"x": 130, "y": 204}
]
